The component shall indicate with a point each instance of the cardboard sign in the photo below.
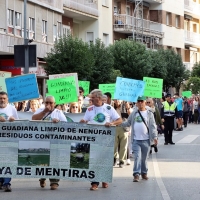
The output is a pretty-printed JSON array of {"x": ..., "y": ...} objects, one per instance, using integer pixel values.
[
  {"x": 187, "y": 94},
  {"x": 20, "y": 88},
  {"x": 128, "y": 89},
  {"x": 153, "y": 87},
  {"x": 63, "y": 89},
  {"x": 56, "y": 76},
  {"x": 86, "y": 86},
  {"x": 3, "y": 76},
  {"x": 108, "y": 88}
]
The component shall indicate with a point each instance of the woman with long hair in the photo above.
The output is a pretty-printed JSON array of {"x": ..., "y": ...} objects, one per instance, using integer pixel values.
[{"x": 75, "y": 107}]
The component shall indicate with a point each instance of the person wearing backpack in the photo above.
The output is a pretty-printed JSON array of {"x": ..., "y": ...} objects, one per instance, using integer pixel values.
[{"x": 186, "y": 110}]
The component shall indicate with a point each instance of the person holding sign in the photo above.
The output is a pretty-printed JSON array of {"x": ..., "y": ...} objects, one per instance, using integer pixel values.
[
  {"x": 7, "y": 112},
  {"x": 102, "y": 114},
  {"x": 49, "y": 113},
  {"x": 144, "y": 134}
]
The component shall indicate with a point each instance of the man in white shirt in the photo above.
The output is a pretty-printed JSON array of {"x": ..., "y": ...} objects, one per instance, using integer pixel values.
[
  {"x": 102, "y": 114},
  {"x": 49, "y": 113},
  {"x": 7, "y": 112},
  {"x": 143, "y": 133}
]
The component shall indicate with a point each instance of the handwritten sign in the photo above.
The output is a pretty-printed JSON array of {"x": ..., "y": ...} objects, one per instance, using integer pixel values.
[
  {"x": 63, "y": 89},
  {"x": 85, "y": 85},
  {"x": 187, "y": 94},
  {"x": 108, "y": 88},
  {"x": 153, "y": 87},
  {"x": 56, "y": 76},
  {"x": 128, "y": 89},
  {"x": 20, "y": 88},
  {"x": 3, "y": 76}
]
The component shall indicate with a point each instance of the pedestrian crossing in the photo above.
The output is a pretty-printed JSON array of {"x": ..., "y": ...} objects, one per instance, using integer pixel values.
[{"x": 188, "y": 139}]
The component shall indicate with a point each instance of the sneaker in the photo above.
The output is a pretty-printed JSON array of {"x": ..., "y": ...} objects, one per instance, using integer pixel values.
[
  {"x": 42, "y": 183},
  {"x": 128, "y": 162},
  {"x": 144, "y": 176},
  {"x": 104, "y": 185},
  {"x": 172, "y": 143},
  {"x": 7, "y": 188},
  {"x": 136, "y": 178},
  {"x": 53, "y": 186},
  {"x": 94, "y": 187},
  {"x": 121, "y": 164},
  {"x": 165, "y": 143}
]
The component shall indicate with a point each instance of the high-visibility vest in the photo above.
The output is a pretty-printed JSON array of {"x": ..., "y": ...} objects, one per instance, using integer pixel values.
[{"x": 169, "y": 111}]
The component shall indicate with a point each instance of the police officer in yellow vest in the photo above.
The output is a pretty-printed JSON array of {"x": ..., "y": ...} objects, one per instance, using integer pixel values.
[{"x": 168, "y": 114}]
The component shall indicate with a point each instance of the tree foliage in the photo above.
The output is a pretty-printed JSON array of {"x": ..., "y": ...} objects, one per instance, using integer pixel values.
[
  {"x": 102, "y": 68},
  {"x": 196, "y": 70},
  {"x": 70, "y": 55},
  {"x": 132, "y": 59},
  {"x": 193, "y": 84}
]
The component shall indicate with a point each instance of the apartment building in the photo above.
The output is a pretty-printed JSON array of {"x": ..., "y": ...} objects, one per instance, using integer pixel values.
[
  {"x": 172, "y": 24},
  {"x": 47, "y": 21}
]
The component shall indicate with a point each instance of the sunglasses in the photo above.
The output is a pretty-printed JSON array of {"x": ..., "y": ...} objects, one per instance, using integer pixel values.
[
  {"x": 140, "y": 101},
  {"x": 74, "y": 106},
  {"x": 148, "y": 102},
  {"x": 47, "y": 102}
]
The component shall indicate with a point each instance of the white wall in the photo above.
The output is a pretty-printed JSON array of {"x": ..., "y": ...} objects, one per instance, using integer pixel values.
[{"x": 173, "y": 36}]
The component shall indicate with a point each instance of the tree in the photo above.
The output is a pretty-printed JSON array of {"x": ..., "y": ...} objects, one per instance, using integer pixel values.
[
  {"x": 176, "y": 71},
  {"x": 193, "y": 85},
  {"x": 196, "y": 70},
  {"x": 159, "y": 68},
  {"x": 132, "y": 59},
  {"x": 70, "y": 55},
  {"x": 102, "y": 68}
]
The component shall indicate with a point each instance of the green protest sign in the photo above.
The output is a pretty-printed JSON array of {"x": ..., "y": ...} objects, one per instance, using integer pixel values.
[
  {"x": 187, "y": 94},
  {"x": 63, "y": 89},
  {"x": 108, "y": 88},
  {"x": 85, "y": 85},
  {"x": 3, "y": 76},
  {"x": 153, "y": 87}
]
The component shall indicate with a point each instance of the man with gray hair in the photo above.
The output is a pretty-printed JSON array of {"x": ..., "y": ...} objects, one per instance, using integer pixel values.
[
  {"x": 49, "y": 113},
  {"x": 102, "y": 114}
]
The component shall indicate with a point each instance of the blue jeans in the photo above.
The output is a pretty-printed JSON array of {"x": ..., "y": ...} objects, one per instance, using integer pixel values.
[
  {"x": 140, "y": 150},
  {"x": 5, "y": 181}
]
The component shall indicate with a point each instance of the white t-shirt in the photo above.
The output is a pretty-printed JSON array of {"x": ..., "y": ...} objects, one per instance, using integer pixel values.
[
  {"x": 9, "y": 111},
  {"x": 101, "y": 114},
  {"x": 57, "y": 114},
  {"x": 140, "y": 129}
]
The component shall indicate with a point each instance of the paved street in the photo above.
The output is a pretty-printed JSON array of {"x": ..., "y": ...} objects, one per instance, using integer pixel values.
[{"x": 174, "y": 173}]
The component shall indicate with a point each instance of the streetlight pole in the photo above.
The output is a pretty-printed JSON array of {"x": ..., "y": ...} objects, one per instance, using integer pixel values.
[
  {"x": 137, "y": 5},
  {"x": 26, "y": 49}
]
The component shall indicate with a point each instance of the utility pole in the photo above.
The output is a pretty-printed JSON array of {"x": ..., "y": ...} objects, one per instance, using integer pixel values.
[
  {"x": 138, "y": 21},
  {"x": 26, "y": 48}
]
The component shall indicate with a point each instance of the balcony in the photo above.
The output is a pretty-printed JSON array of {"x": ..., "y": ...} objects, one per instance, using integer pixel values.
[
  {"x": 124, "y": 24},
  {"x": 192, "y": 7},
  {"x": 192, "y": 38},
  {"x": 87, "y": 7}
]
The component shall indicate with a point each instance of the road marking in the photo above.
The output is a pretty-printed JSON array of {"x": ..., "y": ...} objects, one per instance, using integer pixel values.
[
  {"x": 188, "y": 139},
  {"x": 159, "y": 181}
]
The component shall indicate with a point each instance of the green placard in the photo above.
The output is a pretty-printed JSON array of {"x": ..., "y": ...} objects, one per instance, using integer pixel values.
[
  {"x": 3, "y": 76},
  {"x": 63, "y": 89},
  {"x": 108, "y": 88},
  {"x": 86, "y": 86},
  {"x": 153, "y": 87},
  {"x": 187, "y": 94}
]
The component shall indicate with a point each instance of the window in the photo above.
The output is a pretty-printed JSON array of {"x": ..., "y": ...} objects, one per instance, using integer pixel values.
[
  {"x": 18, "y": 24},
  {"x": 31, "y": 28},
  {"x": 195, "y": 28},
  {"x": 169, "y": 19},
  {"x": 44, "y": 31},
  {"x": 10, "y": 16},
  {"x": 177, "y": 21},
  {"x": 178, "y": 50},
  {"x": 90, "y": 37},
  {"x": 66, "y": 30},
  {"x": 106, "y": 39},
  {"x": 54, "y": 32},
  {"x": 59, "y": 30}
]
